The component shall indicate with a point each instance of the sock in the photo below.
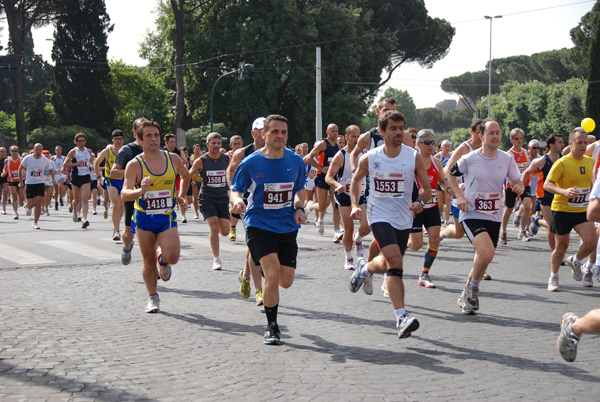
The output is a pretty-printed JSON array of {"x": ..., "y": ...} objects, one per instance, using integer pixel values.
[
  {"x": 364, "y": 272},
  {"x": 400, "y": 312},
  {"x": 553, "y": 275},
  {"x": 215, "y": 258},
  {"x": 245, "y": 277},
  {"x": 589, "y": 265},
  {"x": 474, "y": 284},
  {"x": 348, "y": 254},
  {"x": 576, "y": 260},
  {"x": 429, "y": 258},
  {"x": 441, "y": 236},
  {"x": 160, "y": 261},
  {"x": 271, "y": 313},
  {"x": 358, "y": 238}
]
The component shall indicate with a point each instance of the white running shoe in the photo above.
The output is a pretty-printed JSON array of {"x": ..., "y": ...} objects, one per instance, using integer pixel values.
[
  {"x": 384, "y": 287},
  {"x": 28, "y": 211},
  {"x": 36, "y": 226},
  {"x": 321, "y": 227},
  {"x": 337, "y": 236},
  {"x": 153, "y": 305},
  {"x": 349, "y": 264},
  {"x": 358, "y": 246},
  {"x": 216, "y": 266},
  {"x": 553, "y": 284}
]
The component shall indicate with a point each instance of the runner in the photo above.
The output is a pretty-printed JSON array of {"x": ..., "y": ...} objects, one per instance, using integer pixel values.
[
  {"x": 392, "y": 169},
  {"x": 60, "y": 188},
  {"x": 250, "y": 268},
  {"x": 276, "y": 178},
  {"x": 196, "y": 181},
  {"x": 214, "y": 200},
  {"x": 235, "y": 142},
  {"x": 155, "y": 198},
  {"x": 339, "y": 177},
  {"x": 126, "y": 154},
  {"x": 48, "y": 184},
  {"x": 31, "y": 172},
  {"x": 113, "y": 186},
  {"x": 484, "y": 174},
  {"x": 12, "y": 166},
  {"x": 570, "y": 180},
  {"x": 430, "y": 217},
  {"x": 185, "y": 158},
  {"x": 444, "y": 199},
  {"x": 80, "y": 159},
  {"x": 4, "y": 191}
]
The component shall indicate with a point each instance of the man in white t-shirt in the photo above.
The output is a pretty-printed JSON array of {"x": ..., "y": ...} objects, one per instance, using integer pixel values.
[
  {"x": 481, "y": 203},
  {"x": 32, "y": 172}
]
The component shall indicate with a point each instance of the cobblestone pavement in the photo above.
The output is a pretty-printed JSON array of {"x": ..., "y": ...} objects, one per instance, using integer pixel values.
[{"x": 74, "y": 327}]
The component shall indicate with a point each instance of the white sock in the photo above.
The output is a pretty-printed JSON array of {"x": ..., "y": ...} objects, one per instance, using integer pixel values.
[
  {"x": 348, "y": 254},
  {"x": 400, "y": 312},
  {"x": 589, "y": 265},
  {"x": 358, "y": 237},
  {"x": 576, "y": 260},
  {"x": 554, "y": 275},
  {"x": 364, "y": 272}
]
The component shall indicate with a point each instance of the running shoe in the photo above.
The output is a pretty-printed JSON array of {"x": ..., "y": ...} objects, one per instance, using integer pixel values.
[
  {"x": 406, "y": 326},
  {"x": 196, "y": 216},
  {"x": 523, "y": 237},
  {"x": 567, "y": 340},
  {"x": 47, "y": 212},
  {"x": 349, "y": 264},
  {"x": 94, "y": 212},
  {"x": 232, "y": 234},
  {"x": 105, "y": 214},
  {"x": 216, "y": 266},
  {"x": 3, "y": 212},
  {"x": 358, "y": 246},
  {"x": 308, "y": 209},
  {"x": 56, "y": 206},
  {"x": 272, "y": 335},
  {"x": 259, "y": 297},
  {"x": 596, "y": 272},
  {"x": 517, "y": 220},
  {"x": 116, "y": 235},
  {"x": 321, "y": 226},
  {"x": 16, "y": 217},
  {"x": 356, "y": 280},
  {"x": 85, "y": 224},
  {"x": 184, "y": 220},
  {"x": 244, "y": 285},
  {"x": 553, "y": 284},
  {"x": 337, "y": 236},
  {"x": 36, "y": 226},
  {"x": 469, "y": 300},
  {"x": 70, "y": 208},
  {"x": 62, "y": 203},
  {"x": 28, "y": 211},
  {"x": 164, "y": 271},
  {"x": 384, "y": 287},
  {"x": 575, "y": 268},
  {"x": 126, "y": 255},
  {"x": 425, "y": 281},
  {"x": 588, "y": 280},
  {"x": 368, "y": 285},
  {"x": 503, "y": 238},
  {"x": 74, "y": 216},
  {"x": 153, "y": 305},
  {"x": 486, "y": 277}
]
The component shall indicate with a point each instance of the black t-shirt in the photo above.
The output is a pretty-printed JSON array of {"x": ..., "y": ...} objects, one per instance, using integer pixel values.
[{"x": 127, "y": 153}]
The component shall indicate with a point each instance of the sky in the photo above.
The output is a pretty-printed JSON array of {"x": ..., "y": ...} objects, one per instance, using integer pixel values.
[{"x": 526, "y": 27}]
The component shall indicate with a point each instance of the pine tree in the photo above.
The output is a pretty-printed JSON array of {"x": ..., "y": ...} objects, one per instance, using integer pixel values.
[
  {"x": 82, "y": 72},
  {"x": 592, "y": 103}
]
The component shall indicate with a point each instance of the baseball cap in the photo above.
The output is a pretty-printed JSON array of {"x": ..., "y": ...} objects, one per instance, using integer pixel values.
[
  {"x": 258, "y": 124},
  {"x": 117, "y": 133}
]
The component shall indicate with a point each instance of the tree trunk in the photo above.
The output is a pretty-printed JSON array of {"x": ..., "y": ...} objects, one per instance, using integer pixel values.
[
  {"x": 19, "y": 108},
  {"x": 178, "y": 12}
]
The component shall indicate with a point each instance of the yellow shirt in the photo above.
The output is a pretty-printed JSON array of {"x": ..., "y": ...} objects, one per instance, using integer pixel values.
[
  {"x": 160, "y": 198},
  {"x": 568, "y": 172},
  {"x": 109, "y": 162}
]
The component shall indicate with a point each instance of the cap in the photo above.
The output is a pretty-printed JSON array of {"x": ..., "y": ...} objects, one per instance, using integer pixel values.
[
  {"x": 117, "y": 133},
  {"x": 258, "y": 124},
  {"x": 46, "y": 152}
]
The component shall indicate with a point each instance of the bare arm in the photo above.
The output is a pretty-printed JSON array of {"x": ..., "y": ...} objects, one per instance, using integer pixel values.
[
  {"x": 536, "y": 165},
  {"x": 310, "y": 158},
  {"x": 423, "y": 178},
  {"x": 361, "y": 145},
  {"x": 356, "y": 186},
  {"x": 133, "y": 174},
  {"x": 551, "y": 187},
  {"x": 335, "y": 166},
  {"x": 235, "y": 161},
  {"x": 98, "y": 161}
]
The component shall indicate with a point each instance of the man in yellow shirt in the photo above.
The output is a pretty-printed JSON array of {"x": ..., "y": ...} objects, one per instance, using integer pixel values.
[{"x": 570, "y": 180}]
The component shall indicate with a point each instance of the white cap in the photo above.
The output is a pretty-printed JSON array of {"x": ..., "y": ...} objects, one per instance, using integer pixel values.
[{"x": 258, "y": 124}]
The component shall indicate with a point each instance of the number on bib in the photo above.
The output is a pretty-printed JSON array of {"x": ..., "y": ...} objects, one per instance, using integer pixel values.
[
  {"x": 277, "y": 195},
  {"x": 215, "y": 178},
  {"x": 487, "y": 203},
  {"x": 158, "y": 202},
  {"x": 582, "y": 200},
  {"x": 389, "y": 184}
]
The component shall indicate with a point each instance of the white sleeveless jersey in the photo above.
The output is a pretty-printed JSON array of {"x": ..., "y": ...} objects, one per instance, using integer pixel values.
[
  {"x": 344, "y": 176},
  {"x": 58, "y": 162},
  {"x": 83, "y": 156},
  {"x": 484, "y": 181},
  {"x": 391, "y": 183},
  {"x": 596, "y": 156}
]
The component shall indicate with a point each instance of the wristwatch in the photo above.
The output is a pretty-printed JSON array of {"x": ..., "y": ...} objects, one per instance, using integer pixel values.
[{"x": 303, "y": 211}]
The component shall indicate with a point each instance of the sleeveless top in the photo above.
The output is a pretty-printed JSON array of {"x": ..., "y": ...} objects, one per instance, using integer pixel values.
[
  {"x": 344, "y": 175},
  {"x": 83, "y": 156},
  {"x": 13, "y": 170},
  {"x": 445, "y": 160},
  {"x": 391, "y": 182},
  {"x": 160, "y": 198},
  {"x": 326, "y": 156},
  {"x": 522, "y": 162},
  {"x": 59, "y": 162},
  {"x": 433, "y": 174},
  {"x": 376, "y": 138},
  {"x": 109, "y": 161},
  {"x": 214, "y": 182}
]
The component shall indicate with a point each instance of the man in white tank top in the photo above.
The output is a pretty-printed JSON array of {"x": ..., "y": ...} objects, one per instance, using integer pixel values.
[
  {"x": 481, "y": 203},
  {"x": 392, "y": 169}
]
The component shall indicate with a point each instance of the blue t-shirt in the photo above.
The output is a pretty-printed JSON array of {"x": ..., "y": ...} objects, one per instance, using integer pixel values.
[{"x": 272, "y": 184}]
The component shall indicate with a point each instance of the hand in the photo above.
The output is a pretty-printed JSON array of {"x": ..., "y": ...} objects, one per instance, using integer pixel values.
[
  {"x": 239, "y": 207},
  {"x": 518, "y": 188},
  {"x": 356, "y": 214},
  {"x": 145, "y": 184},
  {"x": 463, "y": 204},
  {"x": 300, "y": 216},
  {"x": 340, "y": 189},
  {"x": 183, "y": 205},
  {"x": 572, "y": 193},
  {"x": 416, "y": 208},
  {"x": 461, "y": 186}
]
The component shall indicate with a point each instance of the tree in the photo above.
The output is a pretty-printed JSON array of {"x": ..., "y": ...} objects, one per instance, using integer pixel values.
[
  {"x": 430, "y": 118},
  {"x": 38, "y": 114},
  {"x": 592, "y": 103},
  {"x": 21, "y": 16},
  {"x": 582, "y": 35},
  {"x": 405, "y": 104},
  {"x": 471, "y": 87},
  {"x": 81, "y": 71}
]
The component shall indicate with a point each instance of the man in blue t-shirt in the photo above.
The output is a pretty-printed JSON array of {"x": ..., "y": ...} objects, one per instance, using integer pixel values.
[{"x": 275, "y": 178}]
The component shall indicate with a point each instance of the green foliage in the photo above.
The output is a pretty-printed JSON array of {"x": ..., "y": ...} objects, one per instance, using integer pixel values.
[
  {"x": 471, "y": 87},
  {"x": 278, "y": 37},
  {"x": 592, "y": 105},
  {"x": 405, "y": 105},
  {"x": 8, "y": 127},
  {"x": 581, "y": 36},
  {"x": 40, "y": 113},
  {"x": 459, "y": 135},
  {"x": 136, "y": 92},
  {"x": 50, "y": 137},
  {"x": 547, "y": 67},
  {"x": 198, "y": 135},
  {"x": 430, "y": 118},
  {"x": 81, "y": 72}
]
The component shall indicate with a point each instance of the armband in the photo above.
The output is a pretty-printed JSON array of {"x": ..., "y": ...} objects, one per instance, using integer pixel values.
[{"x": 454, "y": 170}]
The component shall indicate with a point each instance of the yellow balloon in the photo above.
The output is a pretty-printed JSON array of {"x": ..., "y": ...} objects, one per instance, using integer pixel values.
[{"x": 588, "y": 124}]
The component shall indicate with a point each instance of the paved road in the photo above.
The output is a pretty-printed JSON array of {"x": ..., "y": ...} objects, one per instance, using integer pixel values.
[{"x": 73, "y": 327}]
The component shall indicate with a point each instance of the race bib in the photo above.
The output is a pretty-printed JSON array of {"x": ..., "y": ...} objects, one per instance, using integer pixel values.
[
  {"x": 329, "y": 160},
  {"x": 158, "y": 202},
  {"x": 432, "y": 201},
  {"x": 86, "y": 163},
  {"x": 278, "y": 195},
  {"x": 36, "y": 173},
  {"x": 314, "y": 170},
  {"x": 487, "y": 203},
  {"x": 389, "y": 184},
  {"x": 215, "y": 178},
  {"x": 522, "y": 166},
  {"x": 582, "y": 200},
  {"x": 14, "y": 174}
]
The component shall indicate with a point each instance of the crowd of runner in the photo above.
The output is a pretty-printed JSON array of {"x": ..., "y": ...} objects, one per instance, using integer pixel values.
[{"x": 392, "y": 181}]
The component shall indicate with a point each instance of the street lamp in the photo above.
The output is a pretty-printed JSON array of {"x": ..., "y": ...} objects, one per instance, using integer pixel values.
[
  {"x": 487, "y": 17},
  {"x": 242, "y": 70}
]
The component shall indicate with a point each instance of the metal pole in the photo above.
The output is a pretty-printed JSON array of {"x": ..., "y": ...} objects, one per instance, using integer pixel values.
[
  {"x": 488, "y": 17},
  {"x": 318, "y": 120},
  {"x": 212, "y": 95}
]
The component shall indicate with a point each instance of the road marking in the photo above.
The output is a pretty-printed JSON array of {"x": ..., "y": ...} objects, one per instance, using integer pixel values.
[
  {"x": 82, "y": 249},
  {"x": 22, "y": 257}
]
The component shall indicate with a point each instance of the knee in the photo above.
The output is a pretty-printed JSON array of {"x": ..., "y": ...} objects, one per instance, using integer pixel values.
[
  {"x": 395, "y": 262},
  {"x": 286, "y": 282}
]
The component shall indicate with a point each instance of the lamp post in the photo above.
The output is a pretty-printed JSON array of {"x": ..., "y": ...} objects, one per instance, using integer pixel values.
[
  {"x": 487, "y": 17},
  {"x": 242, "y": 70}
]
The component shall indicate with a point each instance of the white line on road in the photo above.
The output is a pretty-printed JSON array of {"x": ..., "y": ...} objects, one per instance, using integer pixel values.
[
  {"x": 23, "y": 257},
  {"x": 82, "y": 249}
]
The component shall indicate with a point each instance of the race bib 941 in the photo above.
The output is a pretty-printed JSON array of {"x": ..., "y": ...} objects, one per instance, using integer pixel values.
[{"x": 278, "y": 195}]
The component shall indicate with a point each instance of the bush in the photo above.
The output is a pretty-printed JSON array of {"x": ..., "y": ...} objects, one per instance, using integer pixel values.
[{"x": 50, "y": 137}]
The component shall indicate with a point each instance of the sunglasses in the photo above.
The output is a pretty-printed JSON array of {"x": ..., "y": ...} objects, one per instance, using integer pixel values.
[
  {"x": 518, "y": 138},
  {"x": 535, "y": 147},
  {"x": 413, "y": 136},
  {"x": 427, "y": 142},
  {"x": 14, "y": 150},
  {"x": 80, "y": 140}
]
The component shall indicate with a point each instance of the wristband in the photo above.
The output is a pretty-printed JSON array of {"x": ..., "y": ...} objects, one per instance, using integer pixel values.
[
  {"x": 421, "y": 202},
  {"x": 301, "y": 208}
]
